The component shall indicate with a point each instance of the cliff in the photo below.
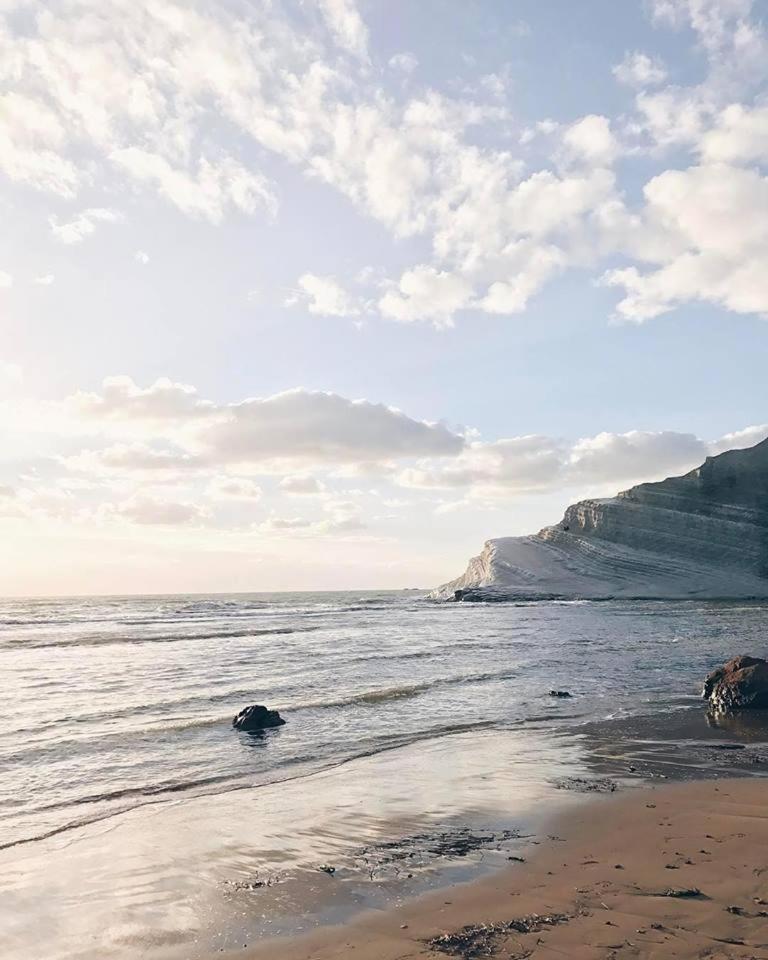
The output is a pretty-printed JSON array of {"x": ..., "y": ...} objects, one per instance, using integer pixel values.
[{"x": 704, "y": 534}]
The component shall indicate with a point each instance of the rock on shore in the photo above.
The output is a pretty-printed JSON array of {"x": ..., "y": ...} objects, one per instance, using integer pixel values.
[
  {"x": 741, "y": 684},
  {"x": 704, "y": 534}
]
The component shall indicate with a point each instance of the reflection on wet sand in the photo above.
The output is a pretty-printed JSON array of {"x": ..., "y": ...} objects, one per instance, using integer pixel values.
[
  {"x": 689, "y": 744},
  {"x": 192, "y": 877},
  {"x": 199, "y": 875}
]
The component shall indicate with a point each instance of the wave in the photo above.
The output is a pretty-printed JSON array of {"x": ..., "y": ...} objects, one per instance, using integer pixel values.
[
  {"x": 151, "y": 795},
  {"x": 385, "y": 694},
  {"x": 98, "y": 641},
  {"x": 373, "y": 697}
]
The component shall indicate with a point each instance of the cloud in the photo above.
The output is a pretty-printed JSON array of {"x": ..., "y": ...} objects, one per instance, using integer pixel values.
[
  {"x": 346, "y": 24},
  {"x": 208, "y": 192},
  {"x": 405, "y": 62},
  {"x": 325, "y": 296},
  {"x": 531, "y": 265},
  {"x": 615, "y": 458},
  {"x": 45, "y": 281},
  {"x": 141, "y": 257},
  {"x": 149, "y": 510},
  {"x": 320, "y": 428},
  {"x": 739, "y": 135},
  {"x": 713, "y": 20},
  {"x": 6, "y": 280},
  {"x": 301, "y": 485},
  {"x": 83, "y": 225},
  {"x": 591, "y": 141},
  {"x": 31, "y": 135},
  {"x": 713, "y": 220},
  {"x": 122, "y": 399},
  {"x": 425, "y": 293},
  {"x": 241, "y": 489},
  {"x": 164, "y": 98},
  {"x": 520, "y": 464},
  {"x": 606, "y": 462},
  {"x": 275, "y": 523},
  {"x": 343, "y": 517},
  {"x": 740, "y": 439},
  {"x": 640, "y": 70},
  {"x": 294, "y": 426},
  {"x": 123, "y": 458}
]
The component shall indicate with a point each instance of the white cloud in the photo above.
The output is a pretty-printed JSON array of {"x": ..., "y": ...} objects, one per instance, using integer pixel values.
[
  {"x": 713, "y": 20},
  {"x": 124, "y": 458},
  {"x": 30, "y": 136},
  {"x": 739, "y": 135},
  {"x": 521, "y": 464},
  {"x": 82, "y": 225},
  {"x": 275, "y": 523},
  {"x": 342, "y": 518},
  {"x": 208, "y": 192},
  {"x": 45, "y": 280},
  {"x": 326, "y": 297},
  {"x": 6, "y": 280},
  {"x": 405, "y": 62},
  {"x": 616, "y": 458},
  {"x": 591, "y": 141},
  {"x": 241, "y": 489},
  {"x": 294, "y": 426},
  {"x": 640, "y": 70},
  {"x": 714, "y": 220},
  {"x": 141, "y": 257},
  {"x": 144, "y": 95},
  {"x": 320, "y": 428},
  {"x": 145, "y": 509},
  {"x": 425, "y": 293},
  {"x": 122, "y": 399},
  {"x": 301, "y": 485},
  {"x": 346, "y": 24},
  {"x": 740, "y": 439},
  {"x": 530, "y": 265},
  {"x": 606, "y": 462}
]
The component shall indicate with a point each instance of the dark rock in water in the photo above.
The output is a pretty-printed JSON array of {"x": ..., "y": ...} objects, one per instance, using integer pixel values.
[
  {"x": 560, "y": 693},
  {"x": 257, "y": 718},
  {"x": 478, "y": 595},
  {"x": 741, "y": 684}
]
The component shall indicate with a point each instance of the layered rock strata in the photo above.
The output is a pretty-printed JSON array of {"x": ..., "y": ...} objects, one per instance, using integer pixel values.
[{"x": 704, "y": 534}]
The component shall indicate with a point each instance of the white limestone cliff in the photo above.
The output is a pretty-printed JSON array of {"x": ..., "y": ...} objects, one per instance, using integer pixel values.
[{"x": 703, "y": 535}]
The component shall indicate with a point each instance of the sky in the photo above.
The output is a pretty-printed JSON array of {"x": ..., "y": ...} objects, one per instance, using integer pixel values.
[{"x": 322, "y": 294}]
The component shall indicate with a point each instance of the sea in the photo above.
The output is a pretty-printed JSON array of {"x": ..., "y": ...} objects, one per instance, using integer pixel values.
[{"x": 135, "y": 821}]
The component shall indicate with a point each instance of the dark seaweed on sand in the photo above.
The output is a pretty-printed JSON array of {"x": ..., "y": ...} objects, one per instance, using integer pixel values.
[
  {"x": 420, "y": 849},
  {"x": 480, "y": 940},
  {"x": 586, "y": 784}
]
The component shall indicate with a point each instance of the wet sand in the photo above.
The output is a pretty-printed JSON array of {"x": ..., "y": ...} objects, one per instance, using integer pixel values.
[{"x": 669, "y": 871}]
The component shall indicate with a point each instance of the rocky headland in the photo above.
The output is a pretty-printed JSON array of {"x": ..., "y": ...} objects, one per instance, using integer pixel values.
[{"x": 704, "y": 534}]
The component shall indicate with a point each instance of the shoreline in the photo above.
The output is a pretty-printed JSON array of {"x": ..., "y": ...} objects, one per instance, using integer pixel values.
[{"x": 675, "y": 870}]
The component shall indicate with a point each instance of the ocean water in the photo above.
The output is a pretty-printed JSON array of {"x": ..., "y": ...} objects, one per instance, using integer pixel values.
[
  {"x": 111, "y": 703},
  {"x": 115, "y": 729}
]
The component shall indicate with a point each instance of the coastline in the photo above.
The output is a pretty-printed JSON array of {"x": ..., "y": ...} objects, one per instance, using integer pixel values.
[
  {"x": 615, "y": 878},
  {"x": 426, "y": 756},
  {"x": 211, "y": 876}
]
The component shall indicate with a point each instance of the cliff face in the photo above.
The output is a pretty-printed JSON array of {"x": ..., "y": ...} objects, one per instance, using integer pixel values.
[{"x": 704, "y": 534}]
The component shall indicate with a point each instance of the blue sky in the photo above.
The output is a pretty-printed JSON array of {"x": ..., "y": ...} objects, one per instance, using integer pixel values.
[{"x": 377, "y": 280}]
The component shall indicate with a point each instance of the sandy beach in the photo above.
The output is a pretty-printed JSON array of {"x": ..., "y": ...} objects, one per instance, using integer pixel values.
[{"x": 678, "y": 870}]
